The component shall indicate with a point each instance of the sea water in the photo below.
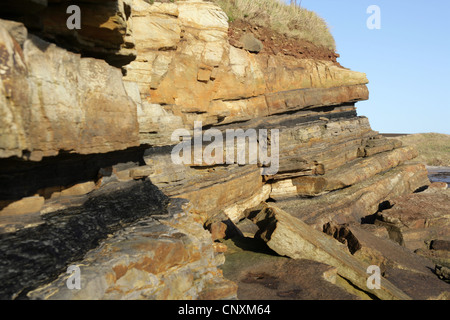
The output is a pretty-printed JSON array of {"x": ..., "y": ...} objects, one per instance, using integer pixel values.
[{"x": 439, "y": 174}]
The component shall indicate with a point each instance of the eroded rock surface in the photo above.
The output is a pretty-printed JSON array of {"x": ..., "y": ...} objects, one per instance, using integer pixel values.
[
  {"x": 397, "y": 263},
  {"x": 291, "y": 237},
  {"x": 55, "y": 101},
  {"x": 418, "y": 218},
  {"x": 86, "y": 122},
  {"x": 158, "y": 260}
]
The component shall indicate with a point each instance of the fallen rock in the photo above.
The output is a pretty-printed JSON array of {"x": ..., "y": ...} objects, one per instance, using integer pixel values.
[
  {"x": 237, "y": 44},
  {"x": 289, "y": 236},
  {"x": 443, "y": 273},
  {"x": 355, "y": 171},
  {"x": 23, "y": 206},
  {"x": 417, "y": 218},
  {"x": 247, "y": 227},
  {"x": 250, "y": 43},
  {"x": 141, "y": 172},
  {"x": 217, "y": 230},
  {"x": 439, "y": 244},
  {"x": 438, "y": 252},
  {"x": 392, "y": 259}
]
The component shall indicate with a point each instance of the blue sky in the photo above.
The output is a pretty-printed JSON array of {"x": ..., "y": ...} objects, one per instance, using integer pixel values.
[{"x": 407, "y": 61}]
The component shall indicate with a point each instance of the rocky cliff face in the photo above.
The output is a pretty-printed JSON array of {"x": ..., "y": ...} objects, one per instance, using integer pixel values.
[{"x": 87, "y": 176}]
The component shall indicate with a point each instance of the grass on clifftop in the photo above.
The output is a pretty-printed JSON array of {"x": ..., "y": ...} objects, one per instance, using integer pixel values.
[
  {"x": 283, "y": 18},
  {"x": 433, "y": 148}
]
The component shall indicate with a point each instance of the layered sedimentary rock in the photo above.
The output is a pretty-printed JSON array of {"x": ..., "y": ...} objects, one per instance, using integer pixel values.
[
  {"x": 187, "y": 71},
  {"x": 55, "y": 101},
  {"x": 87, "y": 143},
  {"x": 95, "y": 28}
]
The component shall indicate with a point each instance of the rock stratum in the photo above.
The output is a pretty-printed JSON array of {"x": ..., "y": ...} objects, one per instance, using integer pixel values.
[{"x": 87, "y": 178}]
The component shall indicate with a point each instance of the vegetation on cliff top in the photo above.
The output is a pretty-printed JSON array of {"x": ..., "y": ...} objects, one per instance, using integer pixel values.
[
  {"x": 291, "y": 20},
  {"x": 433, "y": 148}
]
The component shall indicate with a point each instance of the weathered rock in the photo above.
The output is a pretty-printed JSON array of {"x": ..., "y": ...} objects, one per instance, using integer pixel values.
[
  {"x": 79, "y": 189},
  {"x": 141, "y": 172},
  {"x": 436, "y": 186},
  {"x": 105, "y": 28},
  {"x": 439, "y": 244},
  {"x": 230, "y": 189},
  {"x": 283, "y": 189},
  {"x": 262, "y": 275},
  {"x": 392, "y": 259},
  {"x": 443, "y": 273},
  {"x": 186, "y": 70},
  {"x": 439, "y": 257},
  {"x": 358, "y": 201},
  {"x": 418, "y": 218},
  {"x": 45, "y": 113},
  {"x": 247, "y": 228},
  {"x": 171, "y": 259},
  {"x": 289, "y": 236},
  {"x": 43, "y": 252},
  {"x": 23, "y": 206},
  {"x": 81, "y": 119},
  {"x": 236, "y": 211},
  {"x": 316, "y": 147},
  {"x": 353, "y": 172},
  {"x": 218, "y": 230},
  {"x": 16, "y": 29},
  {"x": 250, "y": 43}
]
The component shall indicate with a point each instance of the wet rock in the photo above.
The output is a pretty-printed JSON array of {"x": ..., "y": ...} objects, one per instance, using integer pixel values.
[{"x": 250, "y": 43}]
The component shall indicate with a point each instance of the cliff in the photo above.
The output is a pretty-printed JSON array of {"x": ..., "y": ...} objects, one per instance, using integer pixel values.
[{"x": 87, "y": 168}]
